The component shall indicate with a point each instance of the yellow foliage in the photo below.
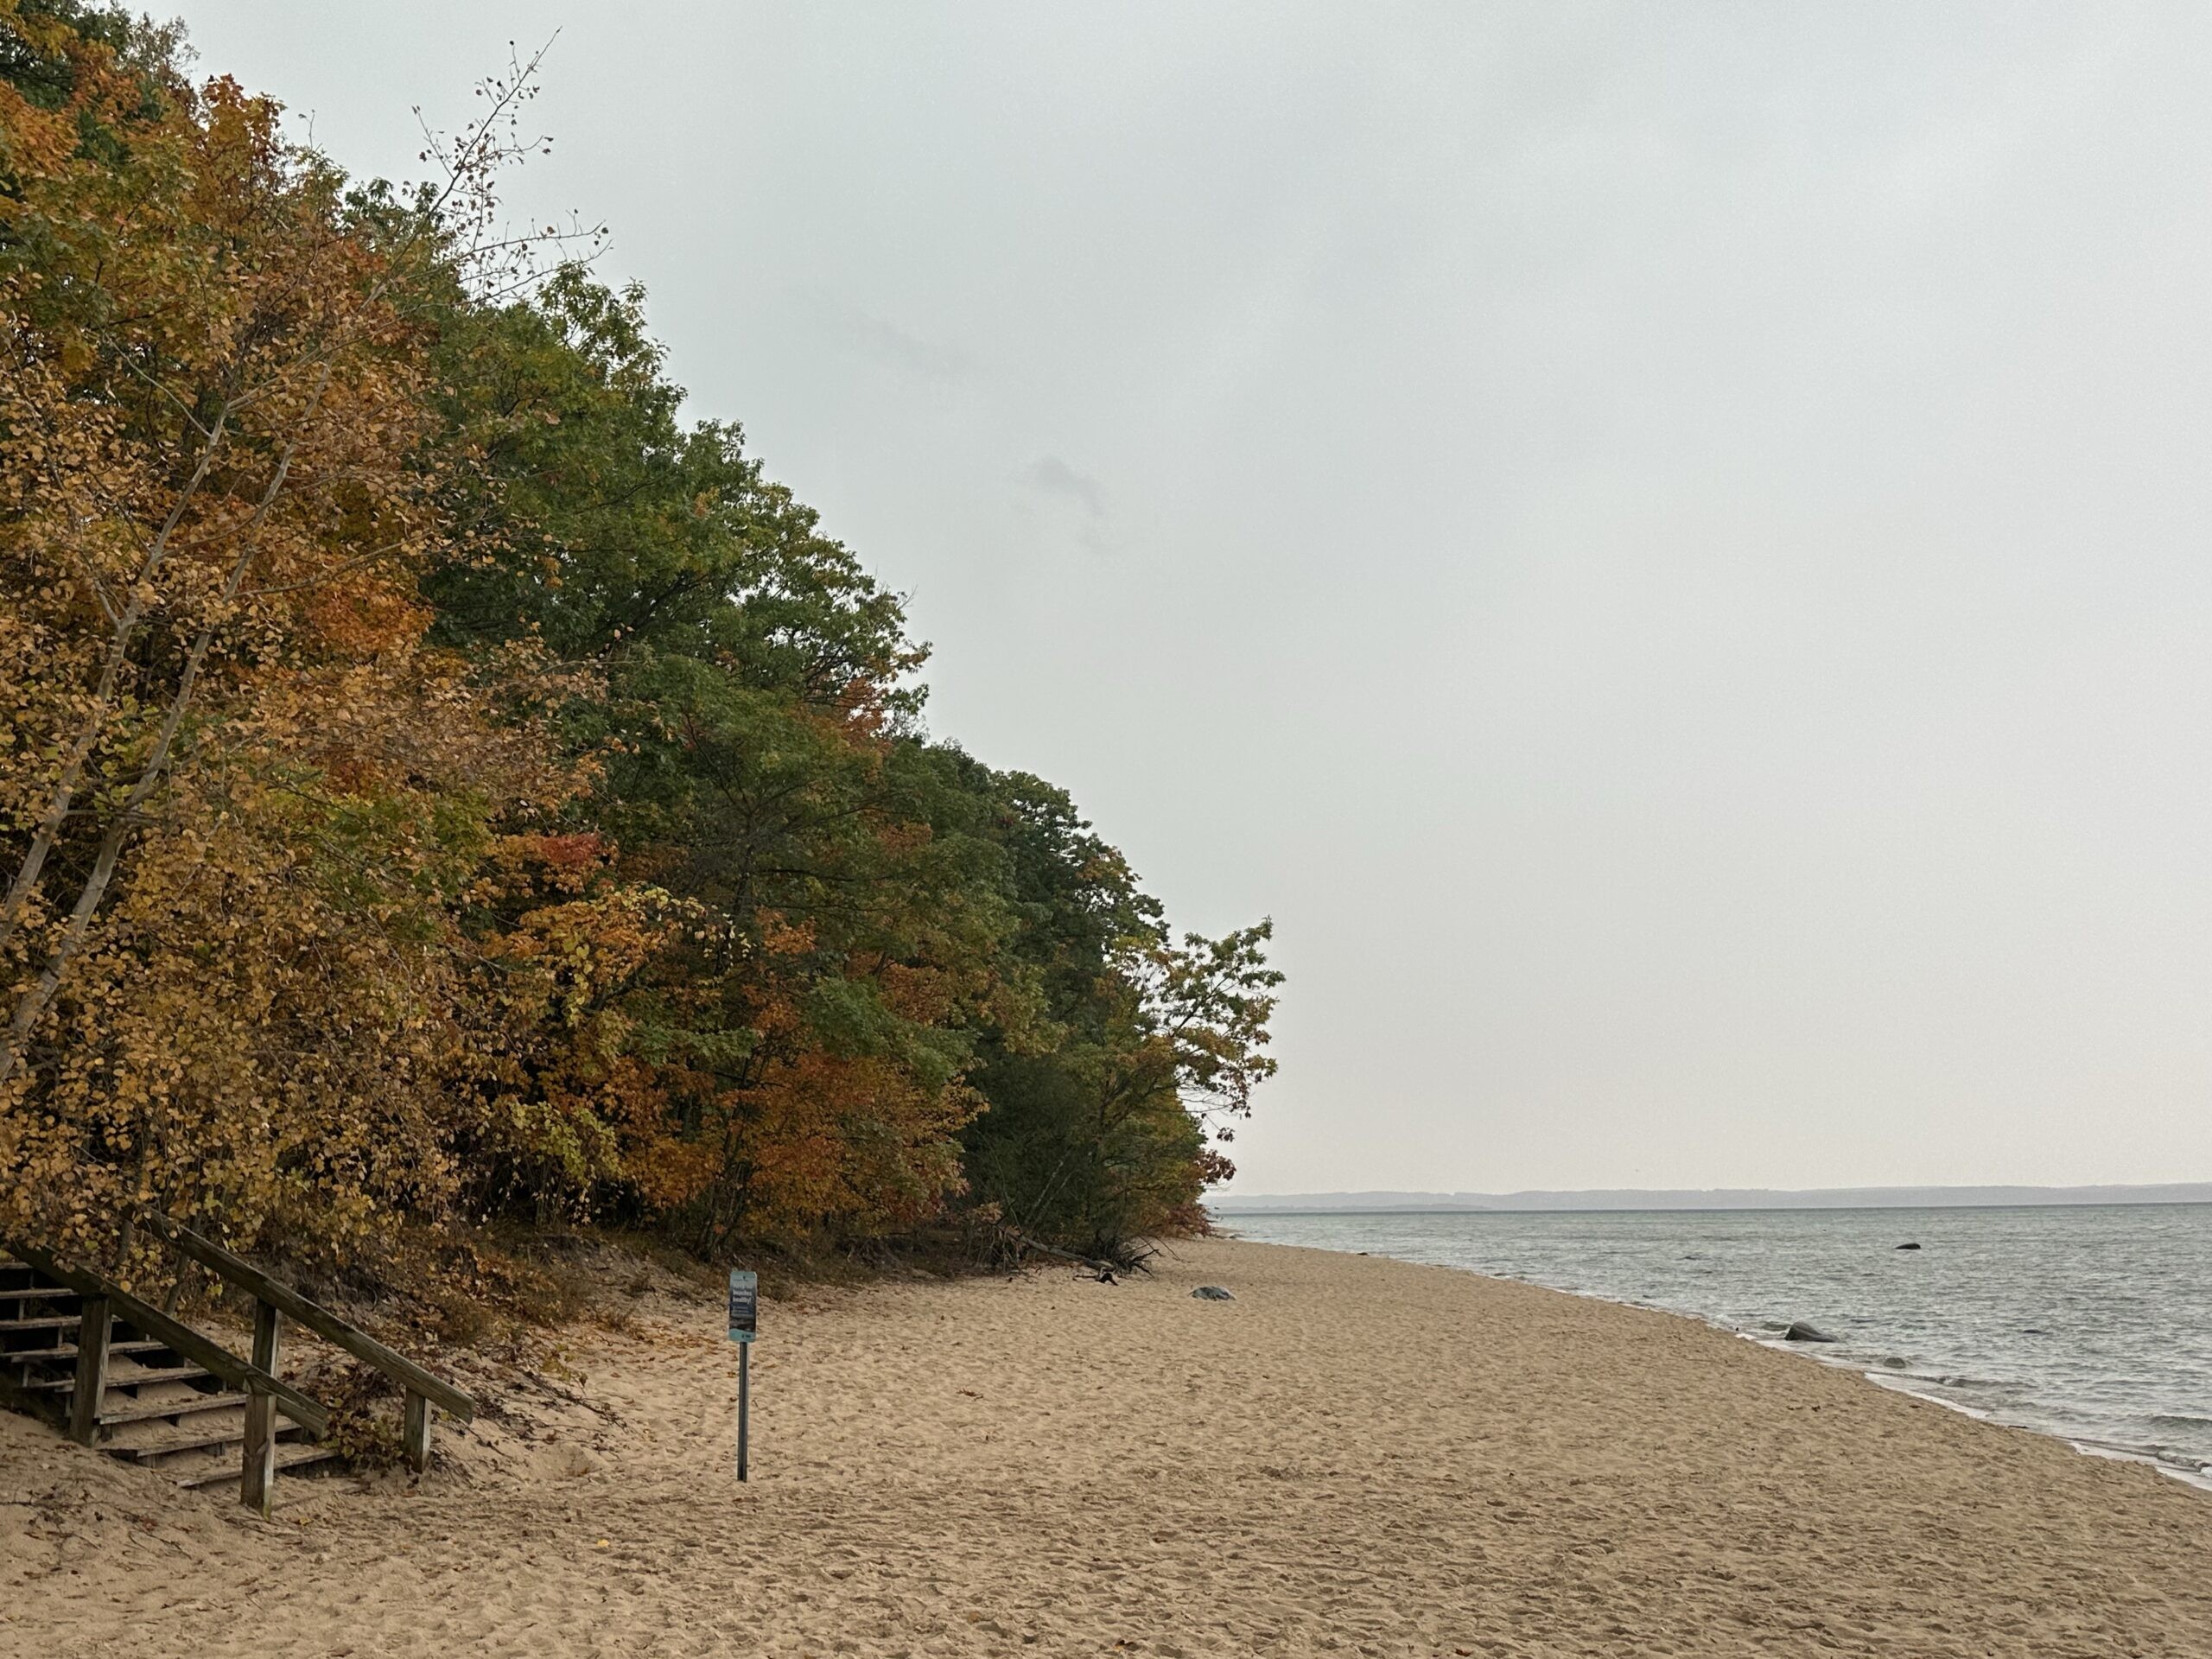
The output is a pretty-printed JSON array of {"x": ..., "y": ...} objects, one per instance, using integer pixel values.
[{"x": 237, "y": 794}]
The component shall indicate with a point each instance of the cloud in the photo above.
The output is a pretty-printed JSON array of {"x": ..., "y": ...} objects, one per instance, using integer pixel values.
[
  {"x": 1055, "y": 477},
  {"x": 887, "y": 343}
]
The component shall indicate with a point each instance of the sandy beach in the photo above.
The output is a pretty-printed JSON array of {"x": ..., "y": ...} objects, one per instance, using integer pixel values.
[{"x": 1354, "y": 1456}]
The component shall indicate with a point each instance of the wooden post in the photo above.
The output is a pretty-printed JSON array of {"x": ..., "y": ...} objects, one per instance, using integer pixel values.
[
  {"x": 266, "y": 1322},
  {"x": 94, "y": 1322},
  {"x": 257, "y": 1474},
  {"x": 416, "y": 1434}
]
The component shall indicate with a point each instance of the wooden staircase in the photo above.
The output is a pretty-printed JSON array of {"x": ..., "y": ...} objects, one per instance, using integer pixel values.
[
  {"x": 119, "y": 1374},
  {"x": 156, "y": 1408}
]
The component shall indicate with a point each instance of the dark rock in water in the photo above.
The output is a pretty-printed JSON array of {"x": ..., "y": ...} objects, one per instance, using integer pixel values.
[
  {"x": 1212, "y": 1294},
  {"x": 1894, "y": 1362},
  {"x": 1802, "y": 1331},
  {"x": 1908, "y": 1247}
]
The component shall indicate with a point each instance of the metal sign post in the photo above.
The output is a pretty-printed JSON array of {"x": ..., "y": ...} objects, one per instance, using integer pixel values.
[{"x": 744, "y": 1325}]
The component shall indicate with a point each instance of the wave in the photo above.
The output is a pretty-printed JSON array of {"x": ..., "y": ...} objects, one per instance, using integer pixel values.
[{"x": 2032, "y": 1296}]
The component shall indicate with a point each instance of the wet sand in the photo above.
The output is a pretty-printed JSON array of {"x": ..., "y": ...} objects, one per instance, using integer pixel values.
[{"x": 1356, "y": 1456}]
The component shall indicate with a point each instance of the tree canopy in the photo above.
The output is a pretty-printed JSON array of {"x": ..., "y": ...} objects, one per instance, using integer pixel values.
[{"x": 439, "y": 780}]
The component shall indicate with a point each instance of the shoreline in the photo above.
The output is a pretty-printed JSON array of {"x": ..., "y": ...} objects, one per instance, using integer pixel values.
[
  {"x": 2110, "y": 1450},
  {"x": 1356, "y": 1455},
  {"x": 2188, "y": 1475},
  {"x": 2197, "y": 1477},
  {"x": 2032, "y": 1416}
]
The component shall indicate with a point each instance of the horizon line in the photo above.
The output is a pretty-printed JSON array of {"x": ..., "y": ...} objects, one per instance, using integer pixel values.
[{"x": 1987, "y": 1195}]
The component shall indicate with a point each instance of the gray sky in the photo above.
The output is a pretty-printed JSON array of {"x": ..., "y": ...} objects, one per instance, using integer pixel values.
[{"x": 1665, "y": 544}]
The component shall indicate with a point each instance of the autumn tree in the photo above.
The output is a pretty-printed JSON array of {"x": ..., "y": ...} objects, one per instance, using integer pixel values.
[
  {"x": 804, "y": 1043},
  {"x": 436, "y": 778},
  {"x": 236, "y": 787}
]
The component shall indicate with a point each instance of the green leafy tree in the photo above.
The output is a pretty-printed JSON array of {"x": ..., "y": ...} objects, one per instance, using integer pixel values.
[
  {"x": 1106, "y": 1116},
  {"x": 434, "y": 771}
]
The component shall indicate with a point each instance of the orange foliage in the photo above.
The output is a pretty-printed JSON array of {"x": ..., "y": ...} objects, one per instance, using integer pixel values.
[
  {"x": 237, "y": 793},
  {"x": 301, "y": 921}
]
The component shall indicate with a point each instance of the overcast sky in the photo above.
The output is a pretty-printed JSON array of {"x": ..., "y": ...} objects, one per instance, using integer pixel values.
[{"x": 1665, "y": 545}]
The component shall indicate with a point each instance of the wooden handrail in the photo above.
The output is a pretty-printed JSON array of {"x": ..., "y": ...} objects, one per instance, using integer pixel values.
[
  {"x": 237, "y": 1270},
  {"x": 307, "y": 1412}
]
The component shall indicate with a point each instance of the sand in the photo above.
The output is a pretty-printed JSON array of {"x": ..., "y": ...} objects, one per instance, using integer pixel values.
[{"x": 1354, "y": 1456}]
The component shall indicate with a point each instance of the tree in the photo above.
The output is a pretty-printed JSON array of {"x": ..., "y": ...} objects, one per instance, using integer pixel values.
[
  {"x": 434, "y": 776},
  {"x": 1105, "y": 1116},
  {"x": 237, "y": 786}
]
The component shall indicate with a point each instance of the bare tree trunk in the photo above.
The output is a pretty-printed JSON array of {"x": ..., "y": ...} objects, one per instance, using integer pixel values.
[
  {"x": 118, "y": 653},
  {"x": 34, "y": 1003}
]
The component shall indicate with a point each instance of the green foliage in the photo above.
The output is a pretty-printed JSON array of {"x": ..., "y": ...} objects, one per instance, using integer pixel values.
[
  {"x": 33, "y": 55},
  {"x": 687, "y": 918}
]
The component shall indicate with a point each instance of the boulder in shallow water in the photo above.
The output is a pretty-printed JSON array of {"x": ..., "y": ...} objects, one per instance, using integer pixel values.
[
  {"x": 1801, "y": 1331},
  {"x": 1908, "y": 1247},
  {"x": 1212, "y": 1294}
]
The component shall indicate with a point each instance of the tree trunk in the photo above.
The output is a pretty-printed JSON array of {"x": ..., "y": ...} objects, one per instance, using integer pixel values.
[
  {"x": 34, "y": 1003},
  {"x": 118, "y": 653}
]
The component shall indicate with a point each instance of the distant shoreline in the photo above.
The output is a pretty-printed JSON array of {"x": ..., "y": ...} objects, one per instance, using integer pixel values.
[{"x": 1727, "y": 1198}]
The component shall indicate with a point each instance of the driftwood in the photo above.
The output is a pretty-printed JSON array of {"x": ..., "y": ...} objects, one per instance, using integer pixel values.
[{"x": 1102, "y": 1269}]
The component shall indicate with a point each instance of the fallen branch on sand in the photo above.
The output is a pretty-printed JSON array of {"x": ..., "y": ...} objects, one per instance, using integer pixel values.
[{"x": 1129, "y": 1259}]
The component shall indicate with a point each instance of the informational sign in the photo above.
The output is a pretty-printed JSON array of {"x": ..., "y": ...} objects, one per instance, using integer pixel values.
[
  {"x": 744, "y": 1325},
  {"x": 744, "y": 1305}
]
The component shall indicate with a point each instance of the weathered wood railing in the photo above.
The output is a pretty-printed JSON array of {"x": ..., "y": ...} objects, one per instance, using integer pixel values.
[
  {"x": 267, "y": 1395},
  {"x": 274, "y": 1300},
  {"x": 102, "y": 1303}
]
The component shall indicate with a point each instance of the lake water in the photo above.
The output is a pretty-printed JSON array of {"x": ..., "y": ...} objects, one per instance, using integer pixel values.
[{"x": 2092, "y": 1323}]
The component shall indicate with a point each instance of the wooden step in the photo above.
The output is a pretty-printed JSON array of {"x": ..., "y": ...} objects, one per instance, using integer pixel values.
[
  {"x": 185, "y": 1436},
  {"x": 39, "y": 1293},
  {"x": 296, "y": 1454},
  {"x": 41, "y": 1322},
  {"x": 68, "y": 1351},
  {"x": 191, "y": 1438},
  {"x": 146, "y": 1411},
  {"x": 135, "y": 1380},
  {"x": 153, "y": 1455},
  {"x": 150, "y": 1374}
]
